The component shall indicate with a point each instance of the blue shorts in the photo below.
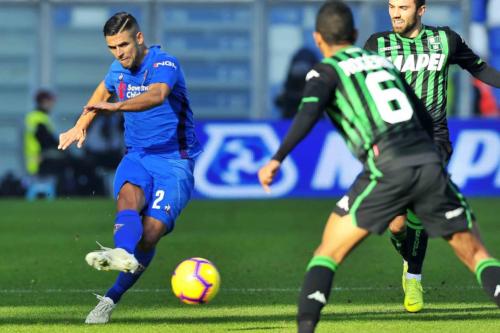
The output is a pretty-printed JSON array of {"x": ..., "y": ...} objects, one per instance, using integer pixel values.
[{"x": 167, "y": 183}]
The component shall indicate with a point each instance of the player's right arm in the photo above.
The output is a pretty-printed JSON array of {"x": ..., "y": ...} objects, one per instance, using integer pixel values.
[
  {"x": 78, "y": 132},
  {"x": 318, "y": 94}
]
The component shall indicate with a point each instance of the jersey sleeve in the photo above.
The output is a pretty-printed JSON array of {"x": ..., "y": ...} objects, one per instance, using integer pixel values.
[
  {"x": 371, "y": 44},
  {"x": 462, "y": 55},
  {"x": 319, "y": 90},
  {"x": 165, "y": 70},
  {"x": 108, "y": 82}
]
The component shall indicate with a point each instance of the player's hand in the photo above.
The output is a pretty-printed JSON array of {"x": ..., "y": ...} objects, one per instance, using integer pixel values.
[
  {"x": 75, "y": 134},
  {"x": 267, "y": 173},
  {"x": 101, "y": 106}
]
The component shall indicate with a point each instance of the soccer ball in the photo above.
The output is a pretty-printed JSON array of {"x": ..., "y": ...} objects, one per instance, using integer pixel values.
[{"x": 195, "y": 281}]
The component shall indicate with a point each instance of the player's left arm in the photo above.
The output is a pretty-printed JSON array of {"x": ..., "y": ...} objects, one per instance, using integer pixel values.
[
  {"x": 162, "y": 79},
  {"x": 318, "y": 93},
  {"x": 461, "y": 54},
  {"x": 155, "y": 96}
]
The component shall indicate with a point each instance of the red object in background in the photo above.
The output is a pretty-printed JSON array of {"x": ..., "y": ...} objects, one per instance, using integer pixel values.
[{"x": 487, "y": 103}]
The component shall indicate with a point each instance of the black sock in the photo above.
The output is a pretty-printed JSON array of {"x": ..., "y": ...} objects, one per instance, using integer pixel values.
[
  {"x": 315, "y": 292},
  {"x": 398, "y": 240},
  {"x": 488, "y": 275},
  {"x": 416, "y": 242}
]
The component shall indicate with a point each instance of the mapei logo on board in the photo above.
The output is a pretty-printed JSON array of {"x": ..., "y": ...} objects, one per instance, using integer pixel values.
[
  {"x": 233, "y": 155},
  {"x": 476, "y": 158}
]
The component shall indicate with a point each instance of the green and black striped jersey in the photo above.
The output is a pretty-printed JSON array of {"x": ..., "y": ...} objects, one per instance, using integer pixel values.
[
  {"x": 424, "y": 62},
  {"x": 375, "y": 110}
]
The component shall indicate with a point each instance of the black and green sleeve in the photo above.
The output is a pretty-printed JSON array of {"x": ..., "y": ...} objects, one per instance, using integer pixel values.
[
  {"x": 462, "y": 55},
  {"x": 318, "y": 93}
]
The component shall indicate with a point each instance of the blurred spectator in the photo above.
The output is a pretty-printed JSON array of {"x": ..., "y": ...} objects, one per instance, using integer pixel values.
[
  {"x": 39, "y": 142},
  {"x": 42, "y": 158},
  {"x": 11, "y": 186},
  {"x": 289, "y": 99},
  {"x": 104, "y": 144},
  {"x": 484, "y": 99}
]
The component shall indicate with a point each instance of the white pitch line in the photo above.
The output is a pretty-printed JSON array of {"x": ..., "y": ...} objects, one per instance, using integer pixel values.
[{"x": 229, "y": 290}]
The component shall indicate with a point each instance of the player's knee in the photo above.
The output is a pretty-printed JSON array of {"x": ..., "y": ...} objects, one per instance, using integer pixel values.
[
  {"x": 149, "y": 241},
  {"x": 328, "y": 249},
  {"x": 339, "y": 238},
  {"x": 325, "y": 251},
  {"x": 130, "y": 197},
  {"x": 397, "y": 225},
  {"x": 153, "y": 231}
]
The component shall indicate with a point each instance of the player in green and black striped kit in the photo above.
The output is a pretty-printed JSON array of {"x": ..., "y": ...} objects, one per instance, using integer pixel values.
[
  {"x": 423, "y": 54},
  {"x": 389, "y": 130}
]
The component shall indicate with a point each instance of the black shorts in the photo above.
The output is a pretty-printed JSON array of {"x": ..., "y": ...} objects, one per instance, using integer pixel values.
[
  {"x": 444, "y": 150},
  {"x": 374, "y": 201}
]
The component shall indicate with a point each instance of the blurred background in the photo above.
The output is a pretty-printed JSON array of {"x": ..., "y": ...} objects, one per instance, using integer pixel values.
[{"x": 245, "y": 63}]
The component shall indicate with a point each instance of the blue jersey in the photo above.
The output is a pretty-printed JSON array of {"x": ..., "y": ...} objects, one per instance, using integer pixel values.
[{"x": 167, "y": 128}]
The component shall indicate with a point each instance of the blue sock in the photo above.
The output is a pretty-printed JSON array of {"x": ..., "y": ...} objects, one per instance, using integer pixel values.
[
  {"x": 126, "y": 280},
  {"x": 128, "y": 230}
]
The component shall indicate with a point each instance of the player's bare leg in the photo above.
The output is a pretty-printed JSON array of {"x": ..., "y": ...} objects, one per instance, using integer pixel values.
[
  {"x": 130, "y": 197},
  {"x": 339, "y": 238},
  {"x": 470, "y": 250}
]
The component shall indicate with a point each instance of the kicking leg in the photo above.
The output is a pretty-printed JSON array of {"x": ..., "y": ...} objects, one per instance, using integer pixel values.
[
  {"x": 144, "y": 252},
  {"x": 339, "y": 238}
]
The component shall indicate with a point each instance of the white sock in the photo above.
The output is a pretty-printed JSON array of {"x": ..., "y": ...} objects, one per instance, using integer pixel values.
[{"x": 414, "y": 276}]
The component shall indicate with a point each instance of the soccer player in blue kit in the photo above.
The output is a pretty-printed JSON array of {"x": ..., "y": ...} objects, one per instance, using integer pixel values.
[{"x": 154, "y": 180}]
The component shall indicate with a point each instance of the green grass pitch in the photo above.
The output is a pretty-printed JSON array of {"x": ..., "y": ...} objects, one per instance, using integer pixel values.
[{"x": 261, "y": 249}]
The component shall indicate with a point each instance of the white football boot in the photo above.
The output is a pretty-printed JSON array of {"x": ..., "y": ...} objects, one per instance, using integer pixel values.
[
  {"x": 107, "y": 259},
  {"x": 102, "y": 312}
]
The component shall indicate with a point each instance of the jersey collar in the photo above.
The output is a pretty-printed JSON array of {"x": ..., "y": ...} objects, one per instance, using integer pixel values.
[
  {"x": 349, "y": 48},
  {"x": 406, "y": 39},
  {"x": 148, "y": 59}
]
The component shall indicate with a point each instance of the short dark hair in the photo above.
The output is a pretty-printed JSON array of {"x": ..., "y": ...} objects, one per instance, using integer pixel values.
[
  {"x": 44, "y": 95},
  {"x": 335, "y": 23},
  {"x": 119, "y": 22},
  {"x": 419, "y": 3}
]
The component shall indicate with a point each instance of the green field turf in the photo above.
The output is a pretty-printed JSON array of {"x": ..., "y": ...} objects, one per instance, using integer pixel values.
[{"x": 261, "y": 249}]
